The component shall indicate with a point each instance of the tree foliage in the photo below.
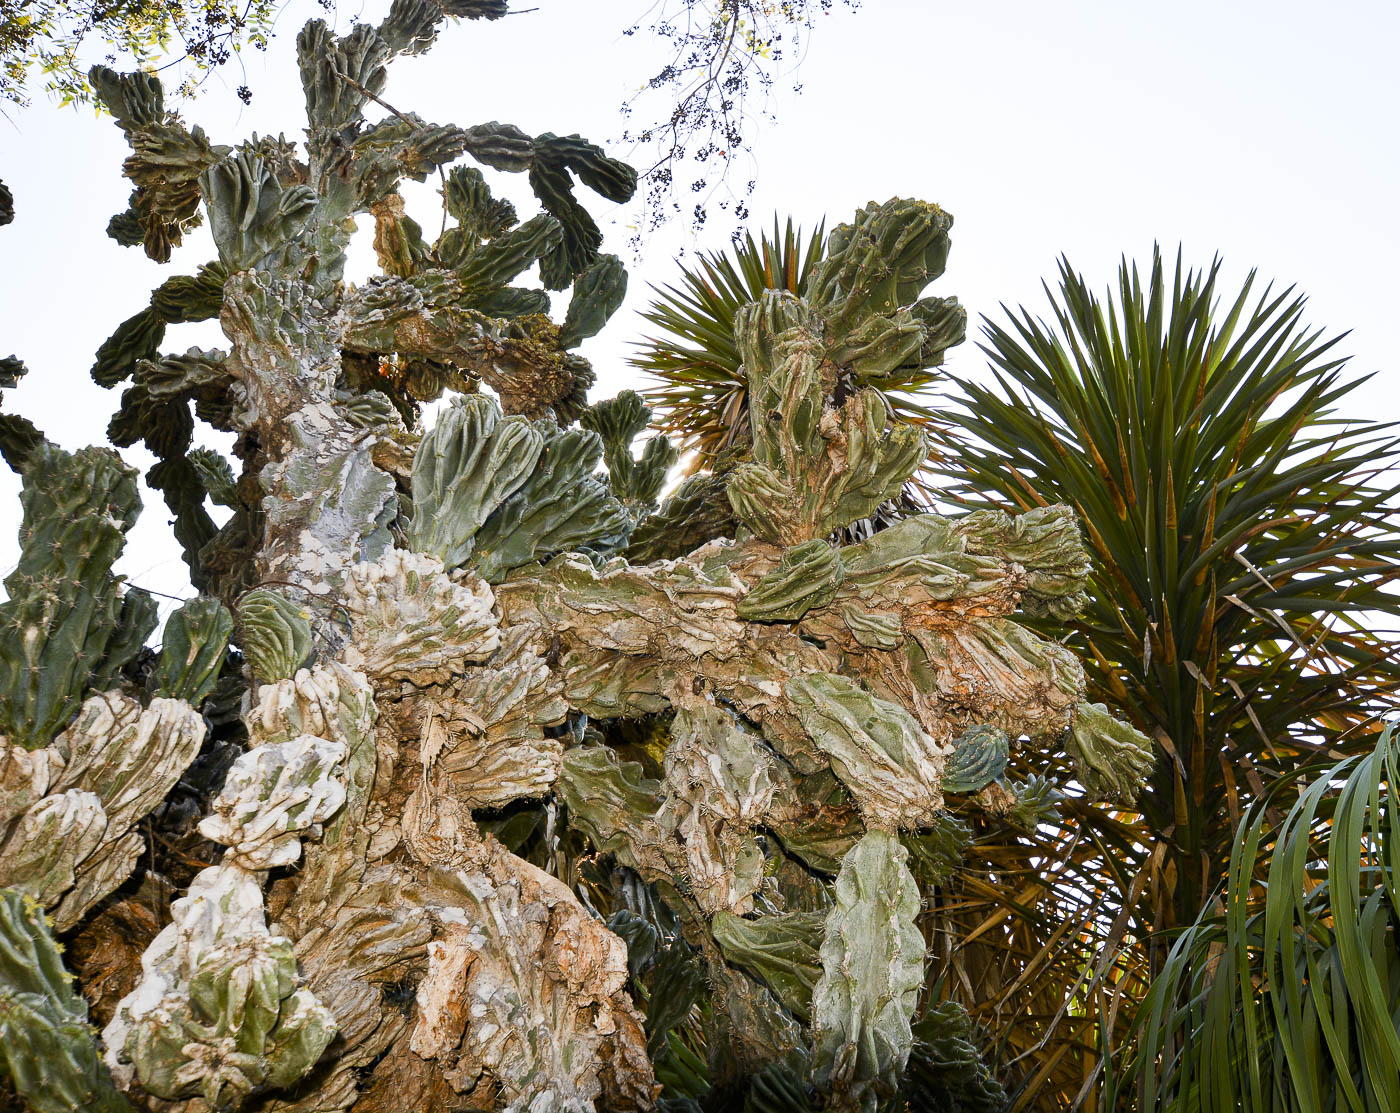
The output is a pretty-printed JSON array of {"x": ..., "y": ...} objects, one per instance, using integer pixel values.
[
  {"x": 52, "y": 36},
  {"x": 725, "y": 57}
]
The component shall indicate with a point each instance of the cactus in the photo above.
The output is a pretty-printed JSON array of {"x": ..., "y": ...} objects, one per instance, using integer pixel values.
[
  {"x": 46, "y": 1045},
  {"x": 412, "y": 621},
  {"x": 18, "y": 435},
  {"x": 219, "y": 1012},
  {"x": 1110, "y": 757},
  {"x": 274, "y": 633},
  {"x": 872, "y": 969},
  {"x": 272, "y": 795},
  {"x": 618, "y": 421},
  {"x": 466, "y": 467},
  {"x": 979, "y": 756},
  {"x": 61, "y": 628},
  {"x": 192, "y": 650},
  {"x": 491, "y": 698},
  {"x": 559, "y": 507},
  {"x": 598, "y": 292},
  {"x": 66, "y": 833}
]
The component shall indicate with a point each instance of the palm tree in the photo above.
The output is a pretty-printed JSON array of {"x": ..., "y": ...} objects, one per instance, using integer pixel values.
[{"x": 1246, "y": 540}]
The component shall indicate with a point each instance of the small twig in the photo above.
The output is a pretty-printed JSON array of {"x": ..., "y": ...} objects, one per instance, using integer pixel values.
[{"x": 377, "y": 100}]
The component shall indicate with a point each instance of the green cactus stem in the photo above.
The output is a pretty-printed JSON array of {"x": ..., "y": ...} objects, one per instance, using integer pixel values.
[
  {"x": 192, "y": 650},
  {"x": 47, "y": 1048},
  {"x": 872, "y": 970},
  {"x": 61, "y": 629},
  {"x": 274, "y": 634}
]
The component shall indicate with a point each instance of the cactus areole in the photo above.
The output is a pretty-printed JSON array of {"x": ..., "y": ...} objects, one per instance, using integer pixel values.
[{"x": 508, "y": 820}]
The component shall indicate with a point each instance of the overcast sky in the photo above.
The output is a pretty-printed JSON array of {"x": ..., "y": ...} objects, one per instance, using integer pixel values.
[{"x": 1263, "y": 132}]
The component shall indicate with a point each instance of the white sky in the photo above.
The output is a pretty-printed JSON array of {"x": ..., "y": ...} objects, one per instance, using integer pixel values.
[{"x": 1265, "y": 132}]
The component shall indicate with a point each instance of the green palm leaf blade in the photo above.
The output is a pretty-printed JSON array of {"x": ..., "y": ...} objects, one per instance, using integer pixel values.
[{"x": 1286, "y": 997}]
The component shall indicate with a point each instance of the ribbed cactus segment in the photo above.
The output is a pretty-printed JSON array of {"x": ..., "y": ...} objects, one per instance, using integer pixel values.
[
  {"x": 945, "y": 1070},
  {"x": 136, "y": 338},
  {"x": 807, "y": 576},
  {"x": 44, "y": 846},
  {"x": 561, "y": 506},
  {"x": 1047, "y": 542},
  {"x": 1111, "y": 758},
  {"x": 979, "y": 757},
  {"x": 165, "y": 163},
  {"x": 618, "y": 421},
  {"x": 501, "y": 146},
  {"x": 555, "y": 158},
  {"x": 781, "y": 950},
  {"x": 598, "y": 292},
  {"x": 194, "y": 297},
  {"x": 490, "y": 729},
  {"x": 886, "y": 760},
  {"x": 133, "y": 99},
  {"x": 719, "y": 785},
  {"x": 274, "y": 634},
  {"x": 478, "y": 214},
  {"x": 412, "y": 621},
  {"x": 697, "y": 511},
  {"x": 1037, "y": 801},
  {"x": 219, "y": 1013},
  {"x": 63, "y": 620},
  {"x": 250, "y": 214},
  {"x": 192, "y": 650},
  {"x": 468, "y": 464},
  {"x": 274, "y": 795},
  {"x": 216, "y": 476},
  {"x": 874, "y": 266},
  {"x": 68, "y": 809},
  {"x": 816, "y": 467},
  {"x": 609, "y": 799},
  {"x": 411, "y": 26},
  {"x": 331, "y": 101},
  {"x": 47, "y": 1047},
  {"x": 491, "y": 266},
  {"x": 523, "y": 956},
  {"x": 872, "y": 957}
]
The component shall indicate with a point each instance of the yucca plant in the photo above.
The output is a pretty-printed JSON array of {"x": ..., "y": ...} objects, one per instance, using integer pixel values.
[
  {"x": 1287, "y": 997},
  {"x": 1245, "y": 541},
  {"x": 701, "y": 395}
]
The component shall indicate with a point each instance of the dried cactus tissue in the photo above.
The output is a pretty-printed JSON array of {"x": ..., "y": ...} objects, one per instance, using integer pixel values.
[{"x": 463, "y": 784}]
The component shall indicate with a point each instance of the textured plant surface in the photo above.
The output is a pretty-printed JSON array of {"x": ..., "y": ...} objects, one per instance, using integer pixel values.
[
  {"x": 492, "y": 806},
  {"x": 691, "y": 350}
]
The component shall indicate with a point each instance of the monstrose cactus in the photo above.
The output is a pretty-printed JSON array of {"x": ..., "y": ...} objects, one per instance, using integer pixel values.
[{"x": 489, "y": 807}]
